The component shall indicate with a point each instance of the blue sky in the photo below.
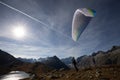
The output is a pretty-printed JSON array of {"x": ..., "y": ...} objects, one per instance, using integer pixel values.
[{"x": 55, "y": 38}]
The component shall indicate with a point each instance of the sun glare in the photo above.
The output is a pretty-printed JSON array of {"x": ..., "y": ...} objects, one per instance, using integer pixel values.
[{"x": 19, "y": 31}]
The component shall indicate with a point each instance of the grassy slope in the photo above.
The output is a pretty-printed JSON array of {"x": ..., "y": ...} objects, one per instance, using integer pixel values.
[{"x": 99, "y": 73}]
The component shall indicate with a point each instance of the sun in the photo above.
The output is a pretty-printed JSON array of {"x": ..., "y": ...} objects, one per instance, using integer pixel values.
[{"x": 19, "y": 31}]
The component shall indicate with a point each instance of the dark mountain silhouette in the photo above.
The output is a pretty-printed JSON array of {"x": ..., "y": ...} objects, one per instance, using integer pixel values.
[
  {"x": 6, "y": 59},
  {"x": 55, "y": 62},
  {"x": 111, "y": 57}
]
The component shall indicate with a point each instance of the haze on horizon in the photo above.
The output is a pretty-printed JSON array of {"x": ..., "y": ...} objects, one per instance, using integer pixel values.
[{"x": 45, "y": 27}]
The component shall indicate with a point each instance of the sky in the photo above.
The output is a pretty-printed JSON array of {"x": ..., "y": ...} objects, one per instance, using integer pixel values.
[{"x": 48, "y": 24}]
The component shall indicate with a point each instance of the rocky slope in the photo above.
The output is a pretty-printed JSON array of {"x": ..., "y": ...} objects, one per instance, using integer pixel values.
[{"x": 111, "y": 57}]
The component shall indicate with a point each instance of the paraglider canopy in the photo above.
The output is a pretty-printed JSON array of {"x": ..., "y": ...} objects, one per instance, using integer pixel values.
[{"x": 80, "y": 21}]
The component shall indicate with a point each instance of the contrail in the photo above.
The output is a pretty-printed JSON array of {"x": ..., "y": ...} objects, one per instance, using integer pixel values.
[
  {"x": 22, "y": 13},
  {"x": 33, "y": 18}
]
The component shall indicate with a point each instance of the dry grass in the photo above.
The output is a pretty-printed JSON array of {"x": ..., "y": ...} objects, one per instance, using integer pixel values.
[{"x": 99, "y": 73}]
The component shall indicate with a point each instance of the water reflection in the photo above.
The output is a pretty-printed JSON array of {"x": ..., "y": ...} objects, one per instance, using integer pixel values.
[{"x": 15, "y": 75}]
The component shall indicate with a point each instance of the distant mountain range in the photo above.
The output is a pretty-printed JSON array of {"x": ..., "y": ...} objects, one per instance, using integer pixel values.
[
  {"x": 100, "y": 58},
  {"x": 9, "y": 62},
  {"x": 29, "y": 60},
  {"x": 55, "y": 62},
  {"x": 66, "y": 61}
]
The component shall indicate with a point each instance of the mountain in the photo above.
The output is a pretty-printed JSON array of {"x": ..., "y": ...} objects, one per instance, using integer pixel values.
[
  {"x": 6, "y": 59},
  {"x": 67, "y": 61},
  {"x": 41, "y": 59},
  {"x": 110, "y": 57},
  {"x": 86, "y": 61},
  {"x": 10, "y": 63},
  {"x": 30, "y": 60},
  {"x": 55, "y": 63}
]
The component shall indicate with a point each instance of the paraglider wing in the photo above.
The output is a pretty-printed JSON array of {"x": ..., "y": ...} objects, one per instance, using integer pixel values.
[{"x": 81, "y": 19}]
